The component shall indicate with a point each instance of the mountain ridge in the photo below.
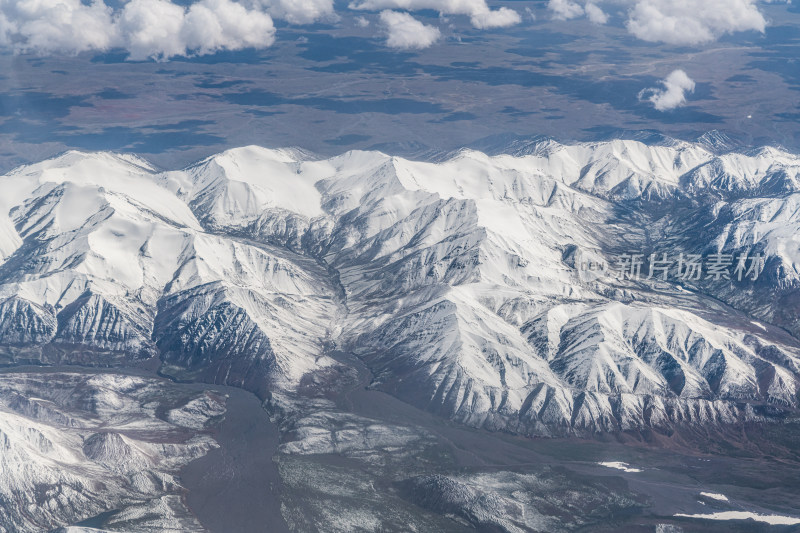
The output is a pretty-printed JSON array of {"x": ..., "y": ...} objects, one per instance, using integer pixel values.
[{"x": 454, "y": 281}]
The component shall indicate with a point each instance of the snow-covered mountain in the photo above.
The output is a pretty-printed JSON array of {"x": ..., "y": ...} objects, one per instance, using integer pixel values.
[
  {"x": 459, "y": 283},
  {"x": 73, "y": 446}
]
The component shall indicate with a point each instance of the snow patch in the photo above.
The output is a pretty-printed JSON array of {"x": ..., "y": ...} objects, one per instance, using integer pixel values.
[
  {"x": 625, "y": 467},
  {"x": 772, "y": 519}
]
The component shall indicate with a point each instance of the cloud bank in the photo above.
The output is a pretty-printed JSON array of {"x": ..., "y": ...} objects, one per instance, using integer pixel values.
[
  {"x": 478, "y": 11},
  {"x": 677, "y": 22},
  {"x": 692, "y": 22},
  {"x": 407, "y": 33},
  {"x": 47, "y": 25},
  {"x": 673, "y": 93},
  {"x": 595, "y": 14},
  {"x": 565, "y": 9},
  {"x": 161, "y": 29},
  {"x": 299, "y": 11},
  {"x": 156, "y": 29}
]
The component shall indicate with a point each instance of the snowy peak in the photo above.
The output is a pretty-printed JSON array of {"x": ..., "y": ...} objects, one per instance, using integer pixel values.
[
  {"x": 460, "y": 283},
  {"x": 236, "y": 186}
]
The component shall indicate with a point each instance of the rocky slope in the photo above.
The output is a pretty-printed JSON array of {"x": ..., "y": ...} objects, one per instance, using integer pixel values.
[
  {"x": 73, "y": 446},
  {"x": 461, "y": 284}
]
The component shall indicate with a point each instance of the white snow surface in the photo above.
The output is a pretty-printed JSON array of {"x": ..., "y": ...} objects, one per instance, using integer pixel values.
[
  {"x": 772, "y": 519},
  {"x": 715, "y": 496},
  {"x": 452, "y": 280},
  {"x": 73, "y": 446},
  {"x": 617, "y": 465}
]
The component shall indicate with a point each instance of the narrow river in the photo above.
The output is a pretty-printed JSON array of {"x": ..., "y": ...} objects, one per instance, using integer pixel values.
[{"x": 236, "y": 488}]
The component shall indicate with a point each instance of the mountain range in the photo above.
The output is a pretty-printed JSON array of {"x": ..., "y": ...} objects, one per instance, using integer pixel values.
[{"x": 460, "y": 283}]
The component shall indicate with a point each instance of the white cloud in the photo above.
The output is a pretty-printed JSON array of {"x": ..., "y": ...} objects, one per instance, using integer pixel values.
[
  {"x": 362, "y": 22},
  {"x": 678, "y": 22},
  {"x": 161, "y": 29},
  {"x": 300, "y": 11},
  {"x": 497, "y": 18},
  {"x": 152, "y": 28},
  {"x": 47, "y": 25},
  {"x": 595, "y": 14},
  {"x": 212, "y": 25},
  {"x": 156, "y": 29},
  {"x": 6, "y": 29},
  {"x": 673, "y": 93},
  {"x": 564, "y": 9},
  {"x": 405, "y": 32},
  {"x": 478, "y": 11},
  {"x": 691, "y": 22},
  {"x": 530, "y": 13}
]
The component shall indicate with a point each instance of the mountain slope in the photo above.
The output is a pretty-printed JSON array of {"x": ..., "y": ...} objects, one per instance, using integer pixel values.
[
  {"x": 74, "y": 446},
  {"x": 462, "y": 284}
]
